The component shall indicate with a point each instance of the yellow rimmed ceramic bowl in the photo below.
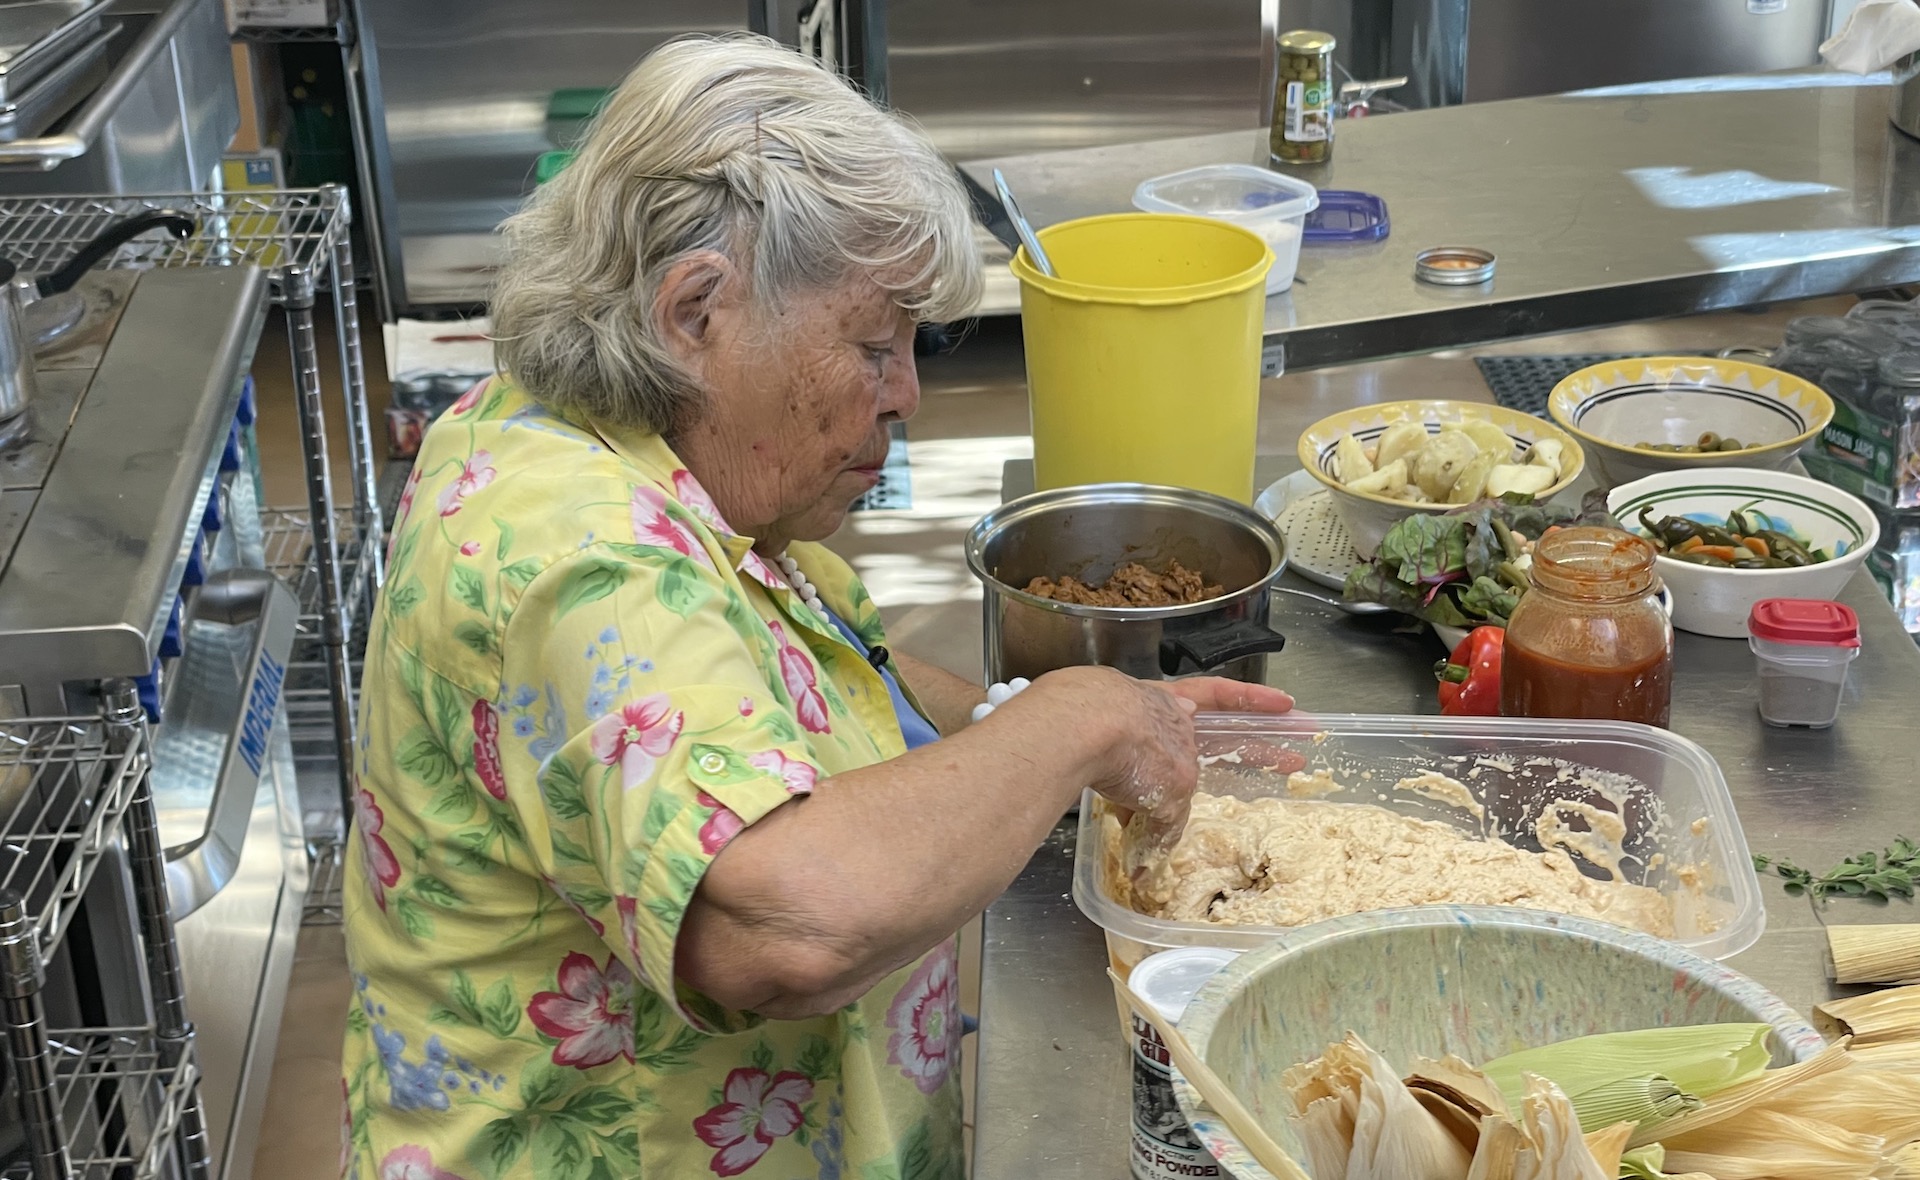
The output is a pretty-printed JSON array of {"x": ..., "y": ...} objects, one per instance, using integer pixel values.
[
  {"x": 1617, "y": 406},
  {"x": 1368, "y": 517}
]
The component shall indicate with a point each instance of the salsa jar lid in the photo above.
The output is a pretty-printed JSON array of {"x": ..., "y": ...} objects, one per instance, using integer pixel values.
[
  {"x": 1454, "y": 266},
  {"x": 1809, "y": 622}
]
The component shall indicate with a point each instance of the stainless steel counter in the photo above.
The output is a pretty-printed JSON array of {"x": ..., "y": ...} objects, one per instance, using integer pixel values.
[
  {"x": 1604, "y": 206},
  {"x": 1052, "y": 1097}
]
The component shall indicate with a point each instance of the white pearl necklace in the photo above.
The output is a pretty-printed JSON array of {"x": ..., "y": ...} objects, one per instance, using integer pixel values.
[
  {"x": 801, "y": 586},
  {"x": 998, "y": 694}
]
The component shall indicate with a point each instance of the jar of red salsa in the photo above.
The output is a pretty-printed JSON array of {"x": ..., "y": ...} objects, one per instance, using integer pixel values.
[{"x": 1590, "y": 638}]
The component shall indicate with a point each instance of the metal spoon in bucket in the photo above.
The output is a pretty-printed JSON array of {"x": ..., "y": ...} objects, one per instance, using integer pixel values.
[
  {"x": 1021, "y": 226},
  {"x": 1339, "y": 604}
]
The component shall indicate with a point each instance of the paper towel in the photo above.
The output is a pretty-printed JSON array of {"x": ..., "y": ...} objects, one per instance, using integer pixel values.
[{"x": 1879, "y": 33}]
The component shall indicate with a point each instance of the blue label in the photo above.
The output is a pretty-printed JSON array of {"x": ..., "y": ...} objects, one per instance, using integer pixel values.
[
  {"x": 260, "y": 172},
  {"x": 258, "y": 722}
]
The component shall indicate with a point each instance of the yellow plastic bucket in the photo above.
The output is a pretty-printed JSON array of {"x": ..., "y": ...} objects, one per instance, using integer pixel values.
[{"x": 1143, "y": 360}]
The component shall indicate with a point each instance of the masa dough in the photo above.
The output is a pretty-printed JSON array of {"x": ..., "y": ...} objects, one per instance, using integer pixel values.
[{"x": 1287, "y": 862}]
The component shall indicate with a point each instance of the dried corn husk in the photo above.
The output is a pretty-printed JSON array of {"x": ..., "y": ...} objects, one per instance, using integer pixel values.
[
  {"x": 1905, "y": 1163},
  {"x": 1457, "y": 1095},
  {"x": 1759, "y": 1092},
  {"x": 1502, "y": 1143},
  {"x": 1875, "y": 954},
  {"x": 1607, "y": 1146},
  {"x": 1358, "y": 1121},
  {"x": 1769, "y": 1145},
  {"x": 1559, "y": 1150},
  {"x": 1698, "y": 1060},
  {"x": 1892, "y": 1055},
  {"x": 1876, "y": 1018}
]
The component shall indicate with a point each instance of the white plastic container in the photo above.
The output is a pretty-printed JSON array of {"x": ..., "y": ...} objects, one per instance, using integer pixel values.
[
  {"x": 1269, "y": 204},
  {"x": 1162, "y": 1146},
  {"x": 1802, "y": 649},
  {"x": 1682, "y": 835}
]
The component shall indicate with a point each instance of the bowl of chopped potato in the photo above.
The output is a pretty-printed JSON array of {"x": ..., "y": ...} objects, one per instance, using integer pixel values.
[{"x": 1386, "y": 462}]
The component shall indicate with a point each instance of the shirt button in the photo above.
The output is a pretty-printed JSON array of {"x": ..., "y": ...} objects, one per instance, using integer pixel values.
[{"x": 712, "y": 763}]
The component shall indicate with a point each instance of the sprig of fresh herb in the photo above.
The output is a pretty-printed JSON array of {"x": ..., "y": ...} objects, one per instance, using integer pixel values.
[{"x": 1892, "y": 872}]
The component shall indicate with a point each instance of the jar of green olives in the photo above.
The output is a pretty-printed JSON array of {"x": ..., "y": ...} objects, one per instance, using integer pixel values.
[{"x": 1302, "y": 131}]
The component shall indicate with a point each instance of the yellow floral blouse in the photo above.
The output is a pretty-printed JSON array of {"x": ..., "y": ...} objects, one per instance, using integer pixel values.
[{"x": 579, "y": 686}]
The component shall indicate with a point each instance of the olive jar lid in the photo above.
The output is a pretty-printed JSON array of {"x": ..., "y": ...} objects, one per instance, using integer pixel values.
[{"x": 1307, "y": 41}]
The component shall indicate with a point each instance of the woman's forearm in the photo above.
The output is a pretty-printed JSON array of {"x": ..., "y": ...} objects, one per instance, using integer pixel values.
[
  {"x": 948, "y": 699},
  {"x": 810, "y": 907}
]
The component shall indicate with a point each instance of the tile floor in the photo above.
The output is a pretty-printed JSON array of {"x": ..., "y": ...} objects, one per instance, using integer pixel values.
[{"x": 972, "y": 419}]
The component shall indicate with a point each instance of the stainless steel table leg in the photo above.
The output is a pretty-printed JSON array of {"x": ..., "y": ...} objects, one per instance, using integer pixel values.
[
  {"x": 297, "y": 299},
  {"x": 25, "y": 1023},
  {"x": 353, "y": 373},
  {"x": 173, "y": 1032}
]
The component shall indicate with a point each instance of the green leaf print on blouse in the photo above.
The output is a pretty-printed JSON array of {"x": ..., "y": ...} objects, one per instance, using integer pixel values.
[
  {"x": 595, "y": 578},
  {"x": 402, "y": 598},
  {"x": 505, "y": 546},
  {"x": 424, "y": 757},
  {"x": 469, "y": 587},
  {"x": 522, "y": 572},
  {"x": 566, "y": 795},
  {"x": 476, "y": 636},
  {"x": 682, "y": 590}
]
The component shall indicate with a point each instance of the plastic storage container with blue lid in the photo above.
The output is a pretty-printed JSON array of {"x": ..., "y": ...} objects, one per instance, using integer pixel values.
[{"x": 1269, "y": 204}]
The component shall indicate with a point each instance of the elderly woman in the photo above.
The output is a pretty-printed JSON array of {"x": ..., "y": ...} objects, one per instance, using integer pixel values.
[{"x": 658, "y": 864}]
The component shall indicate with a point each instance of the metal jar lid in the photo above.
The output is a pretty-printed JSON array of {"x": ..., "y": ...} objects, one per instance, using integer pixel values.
[
  {"x": 1454, "y": 266},
  {"x": 1307, "y": 41}
]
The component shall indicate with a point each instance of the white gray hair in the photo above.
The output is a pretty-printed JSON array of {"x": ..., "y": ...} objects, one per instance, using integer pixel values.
[{"x": 733, "y": 145}]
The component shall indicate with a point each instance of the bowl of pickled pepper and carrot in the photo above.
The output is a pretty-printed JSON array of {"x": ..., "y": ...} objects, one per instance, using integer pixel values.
[{"x": 1729, "y": 537}]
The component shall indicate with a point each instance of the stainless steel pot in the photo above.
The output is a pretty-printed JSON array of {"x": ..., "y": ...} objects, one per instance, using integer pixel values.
[
  {"x": 1088, "y": 531},
  {"x": 17, "y": 385},
  {"x": 1906, "y": 95}
]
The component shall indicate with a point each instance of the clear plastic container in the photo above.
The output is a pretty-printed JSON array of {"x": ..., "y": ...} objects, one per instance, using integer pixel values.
[
  {"x": 1803, "y": 648},
  {"x": 1682, "y": 834},
  {"x": 1269, "y": 204}
]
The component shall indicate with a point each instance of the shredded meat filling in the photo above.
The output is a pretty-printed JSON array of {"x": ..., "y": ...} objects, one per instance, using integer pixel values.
[{"x": 1132, "y": 584}]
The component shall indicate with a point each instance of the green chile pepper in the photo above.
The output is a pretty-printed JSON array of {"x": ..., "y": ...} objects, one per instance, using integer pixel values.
[{"x": 1699, "y": 558}]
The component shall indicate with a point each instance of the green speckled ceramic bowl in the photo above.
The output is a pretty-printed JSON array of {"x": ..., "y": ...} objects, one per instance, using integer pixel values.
[{"x": 1479, "y": 981}]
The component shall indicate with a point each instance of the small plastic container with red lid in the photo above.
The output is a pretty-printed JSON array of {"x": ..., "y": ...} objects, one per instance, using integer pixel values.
[{"x": 1802, "y": 647}]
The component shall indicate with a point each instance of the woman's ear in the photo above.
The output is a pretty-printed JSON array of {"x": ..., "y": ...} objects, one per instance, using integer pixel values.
[{"x": 692, "y": 297}]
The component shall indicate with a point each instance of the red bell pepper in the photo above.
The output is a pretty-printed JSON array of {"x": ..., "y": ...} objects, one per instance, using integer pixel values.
[{"x": 1470, "y": 677}]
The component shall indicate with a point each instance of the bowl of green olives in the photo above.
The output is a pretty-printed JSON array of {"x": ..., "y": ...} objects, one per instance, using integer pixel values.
[
  {"x": 1643, "y": 415},
  {"x": 1730, "y": 536}
]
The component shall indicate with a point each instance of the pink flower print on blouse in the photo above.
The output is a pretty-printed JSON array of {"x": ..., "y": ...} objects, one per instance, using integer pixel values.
[
  {"x": 796, "y": 671},
  {"x": 925, "y": 1023},
  {"x": 475, "y": 473},
  {"x": 756, "y": 567},
  {"x": 469, "y": 548},
  {"x": 653, "y": 525},
  {"x": 629, "y": 910},
  {"x": 746, "y": 706},
  {"x": 591, "y": 1014},
  {"x": 376, "y": 855},
  {"x": 797, "y": 776},
  {"x": 470, "y": 398},
  {"x": 688, "y": 491},
  {"x": 412, "y": 1162},
  {"x": 400, "y": 513},
  {"x": 634, "y": 736},
  {"x": 757, "y": 1110},
  {"x": 722, "y": 826},
  {"x": 486, "y": 750}
]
